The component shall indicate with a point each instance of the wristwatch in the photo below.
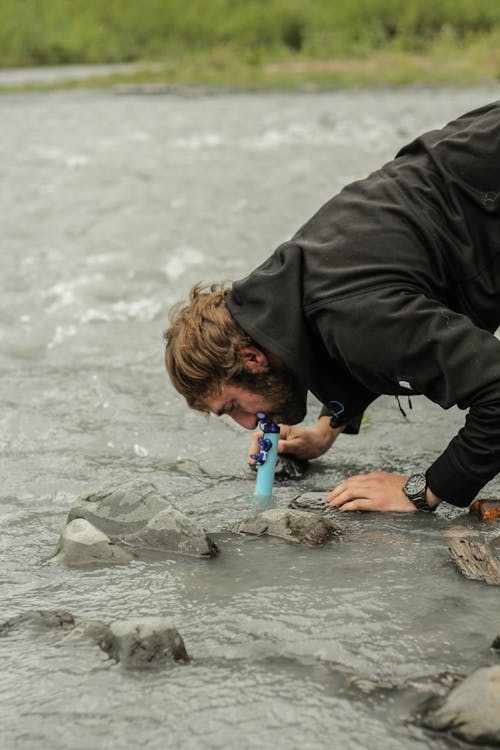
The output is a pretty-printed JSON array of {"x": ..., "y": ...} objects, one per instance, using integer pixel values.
[{"x": 414, "y": 489}]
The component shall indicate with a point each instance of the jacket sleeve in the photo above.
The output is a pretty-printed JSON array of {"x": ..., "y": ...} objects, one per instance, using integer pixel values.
[
  {"x": 352, "y": 427},
  {"x": 400, "y": 335}
]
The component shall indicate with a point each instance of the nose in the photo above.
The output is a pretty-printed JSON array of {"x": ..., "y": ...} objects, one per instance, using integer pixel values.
[{"x": 244, "y": 419}]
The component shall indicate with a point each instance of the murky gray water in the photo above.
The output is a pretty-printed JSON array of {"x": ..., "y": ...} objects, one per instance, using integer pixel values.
[{"x": 111, "y": 207}]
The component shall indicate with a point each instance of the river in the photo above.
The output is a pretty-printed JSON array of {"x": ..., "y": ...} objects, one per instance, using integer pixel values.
[{"x": 112, "y": 206}]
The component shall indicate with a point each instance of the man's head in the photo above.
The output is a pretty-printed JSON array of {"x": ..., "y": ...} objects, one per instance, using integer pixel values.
[{"x": 218, "y": 368}]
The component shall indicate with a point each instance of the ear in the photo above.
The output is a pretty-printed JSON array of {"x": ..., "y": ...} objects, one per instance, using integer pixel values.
[{"x": 254, "y": 360}]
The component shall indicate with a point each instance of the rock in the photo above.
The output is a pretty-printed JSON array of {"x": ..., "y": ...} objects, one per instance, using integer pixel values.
[
  {"x": 137, "y": 643},
  {"x": 496, "y": 644},
  {"x": 81, "y": 543},
  {"x": 470, "y": 711},
  {"x": 287, "y": 467},
  {"x": 367, "y": 685},
  {"x": 121, "y": 509},
  {"x": 136, "y": 512},
  {"x": 476, "y": 561},
  {"x": 96, "y": 630},
  {"x": 41, "y": 618},
  {"x": 441, "y": 682},
  {"x": 172, "y": 530},
  {"x": 314, "y": 502},
  {"x": 293, "y": 525},
  {"x": 187, "y": 467},
  {"x": 144, "y": 643},
  {"x": 487, "y": 509}
]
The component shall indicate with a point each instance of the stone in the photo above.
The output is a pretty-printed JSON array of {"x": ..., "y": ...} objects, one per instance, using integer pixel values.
[
  {"x": 81, "y": 543},
  {"x": 287, "y": 467},
  {"x": 136, "y": 512},
  {"x": 121, "y": 509},
  {"x": 144, "y": 643},
  {"x": 172, "y": 530},
  {"x": 488, "y": 509},
  {"x": 41, "y": 619},
  {"x": 138, "y": 643},
  {"x": 470, "y": 711},
  {"x": 314, "y": 502},
  {"x": 297, "y": 526},
  {"x": 440, "y": 683},
  {"x": 96, "y": 630}
]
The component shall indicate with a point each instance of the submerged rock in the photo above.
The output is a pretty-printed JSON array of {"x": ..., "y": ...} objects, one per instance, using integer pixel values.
[
  {"x": 40, "y": 618},
  {"x": 136, "y": 512},
  {"x": 288, "y": 467},
  {"x": 437, "y": 683},
  {"x": 470, "y": 711},
  {"x": 172, "y": 530},
  {"x": 144, "y": 643},
  {"x": 81, "y": 543},
  {"x": 96, "y": 630},
  {"x": 297, "y": 526},
  {"x": 138, "y": 643},
  {"x": 314, "y": 502}
]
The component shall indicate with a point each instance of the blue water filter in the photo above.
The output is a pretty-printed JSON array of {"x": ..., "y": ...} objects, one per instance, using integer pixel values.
[{"x": 266, "y": 459}]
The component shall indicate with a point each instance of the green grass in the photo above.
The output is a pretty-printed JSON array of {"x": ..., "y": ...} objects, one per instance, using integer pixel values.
[{"x": 260, "y": 43}]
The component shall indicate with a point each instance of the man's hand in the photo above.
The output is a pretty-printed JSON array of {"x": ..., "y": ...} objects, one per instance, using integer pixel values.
[
  {"x": 301, "y": 442},
  {"x": 378, "y": 490}
]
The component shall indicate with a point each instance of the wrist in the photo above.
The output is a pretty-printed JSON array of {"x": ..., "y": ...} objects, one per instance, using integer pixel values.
[
  {"x": 432, "y": 499},
  {"x": 325, "y": 433}
]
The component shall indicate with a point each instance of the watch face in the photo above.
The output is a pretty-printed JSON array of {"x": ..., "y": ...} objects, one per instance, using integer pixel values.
[{"x": 415, "y": 484}]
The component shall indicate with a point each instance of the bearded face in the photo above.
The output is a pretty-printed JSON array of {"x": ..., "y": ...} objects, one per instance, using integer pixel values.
[{"x": 284, "y": 395}]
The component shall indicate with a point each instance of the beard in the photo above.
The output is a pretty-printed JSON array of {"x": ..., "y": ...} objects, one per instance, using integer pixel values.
[{"x": 283, "y": 391}]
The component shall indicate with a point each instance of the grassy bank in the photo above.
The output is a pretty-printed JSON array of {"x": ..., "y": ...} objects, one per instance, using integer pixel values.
[{"x": 261, "y": 42}]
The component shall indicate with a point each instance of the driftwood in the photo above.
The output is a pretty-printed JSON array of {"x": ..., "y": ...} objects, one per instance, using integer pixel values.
[{"x": 476, "y": 560}]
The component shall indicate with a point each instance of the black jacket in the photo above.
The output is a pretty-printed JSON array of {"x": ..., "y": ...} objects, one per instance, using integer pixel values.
[{"x": 394, "y": 287}]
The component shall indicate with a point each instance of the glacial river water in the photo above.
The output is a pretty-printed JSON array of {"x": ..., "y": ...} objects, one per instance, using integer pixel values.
[{"x": 112, "y": 206}]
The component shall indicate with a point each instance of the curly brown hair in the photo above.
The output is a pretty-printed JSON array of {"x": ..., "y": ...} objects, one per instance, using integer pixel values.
[{"x": 203, "y": 344}]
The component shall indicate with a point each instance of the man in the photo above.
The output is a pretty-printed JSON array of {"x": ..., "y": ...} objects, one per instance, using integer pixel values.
[{"x": 393, "y": 287}]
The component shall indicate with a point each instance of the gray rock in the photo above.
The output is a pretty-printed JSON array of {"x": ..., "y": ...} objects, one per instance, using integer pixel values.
[
  {"x": 40, "y": 619},
  {"x": 297, "y": 526},
  {"x": 121, "y": 509},
  {"x": 470, "y": 711},
  {"x": 144, "y": 643},
  {"x": 81, "y": 543},
  {"x": 314, "y": 502},
  {"x": 287, "y": 467},
  {"x": 136, "y": 512},
  {"x": 96, "y": 630},
  {"x": 435, "y": 683},
  {"x": 139, "y": 643},
  {"x": 172, "y": 530}
]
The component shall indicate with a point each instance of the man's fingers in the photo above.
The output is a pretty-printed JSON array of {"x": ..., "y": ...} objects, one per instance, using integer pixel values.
[
  {"x": 376, "y": 491},
  {"x": 361, "y": 503},
  {"x": 348, "y": 490}
]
